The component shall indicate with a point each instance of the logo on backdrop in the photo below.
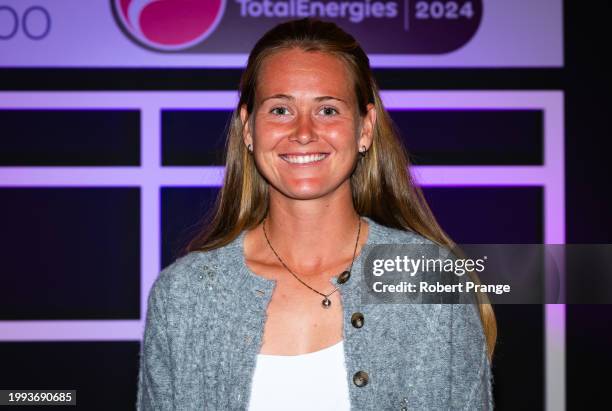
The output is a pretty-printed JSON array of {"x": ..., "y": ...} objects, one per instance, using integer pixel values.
[
  {"x": 381, "y": 26},
  {"x": 169, "y": 24}
]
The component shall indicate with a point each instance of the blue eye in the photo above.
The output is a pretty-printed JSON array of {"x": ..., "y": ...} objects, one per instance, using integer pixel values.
[
  {"x": 329, "y": 110},
  {"x": 273, "y": 111}
]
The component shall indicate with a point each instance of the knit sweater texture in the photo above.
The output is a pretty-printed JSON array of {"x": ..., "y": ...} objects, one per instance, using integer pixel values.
[{"x": 204, "y": 327}]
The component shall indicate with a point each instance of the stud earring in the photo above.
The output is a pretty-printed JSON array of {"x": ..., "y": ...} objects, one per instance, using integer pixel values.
[
  {"x": 250, "y": 148},
  {"x": 363, "y": 150}
]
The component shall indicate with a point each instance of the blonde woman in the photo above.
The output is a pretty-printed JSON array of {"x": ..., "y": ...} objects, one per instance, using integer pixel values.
[{"x": 263, "y": 311}]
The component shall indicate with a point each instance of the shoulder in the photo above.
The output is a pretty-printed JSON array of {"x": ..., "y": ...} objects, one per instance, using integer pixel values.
[
  {"x": 399, "y": 236},
  {"x": 391, "y": 235},
  {"x": 187, "y": 270}
]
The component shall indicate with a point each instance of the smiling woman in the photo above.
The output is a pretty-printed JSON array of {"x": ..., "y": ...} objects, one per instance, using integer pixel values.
[
  {"x": 308, "y": 127},
  {"x": 263, "y": 310}
]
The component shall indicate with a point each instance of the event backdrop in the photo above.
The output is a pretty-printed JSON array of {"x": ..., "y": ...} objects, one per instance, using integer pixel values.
[
  {"x": 220, "y": 33},
  {"x": 99, "y": 190}
]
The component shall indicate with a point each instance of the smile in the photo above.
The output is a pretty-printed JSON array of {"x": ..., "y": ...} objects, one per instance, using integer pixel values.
[{"x": 304, "y": 159}]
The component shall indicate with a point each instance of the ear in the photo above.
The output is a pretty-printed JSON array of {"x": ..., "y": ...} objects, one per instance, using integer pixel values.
[
  {"x": 246, "y": 126},
  {"x": 367, "y": 127}
]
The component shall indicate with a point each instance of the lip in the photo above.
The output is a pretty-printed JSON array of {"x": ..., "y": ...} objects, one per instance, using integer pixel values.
[
  {"x": 303, "y": 154},
  {"x": 311, "y": 164}
]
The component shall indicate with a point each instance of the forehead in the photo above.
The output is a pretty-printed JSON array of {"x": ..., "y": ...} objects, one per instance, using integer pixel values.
[{"x": 297, "y": 72}]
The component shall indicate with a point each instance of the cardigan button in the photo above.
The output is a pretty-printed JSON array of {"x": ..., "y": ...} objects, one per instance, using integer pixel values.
[
  {"x": 357, "y": 320},
  {"x": 344, "y": 277},
  {"x": 360, "y": 378}
]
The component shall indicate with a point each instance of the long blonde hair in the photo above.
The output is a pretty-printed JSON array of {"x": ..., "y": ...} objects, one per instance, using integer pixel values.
[{"x": 382, "y": 189}]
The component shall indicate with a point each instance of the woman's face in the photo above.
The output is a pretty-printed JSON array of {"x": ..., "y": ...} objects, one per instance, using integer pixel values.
[{"x": 307, "y": 129}]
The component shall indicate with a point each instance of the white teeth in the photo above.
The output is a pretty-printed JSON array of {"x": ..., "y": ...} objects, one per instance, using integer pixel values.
[{"x": 304, "y": 159}]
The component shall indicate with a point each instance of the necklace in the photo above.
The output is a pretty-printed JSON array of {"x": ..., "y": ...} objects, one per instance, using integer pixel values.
[{"x": 326, "y": 303}]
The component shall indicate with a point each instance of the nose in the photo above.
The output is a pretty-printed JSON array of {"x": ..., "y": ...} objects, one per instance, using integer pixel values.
[{"x": 305, "y": 130}]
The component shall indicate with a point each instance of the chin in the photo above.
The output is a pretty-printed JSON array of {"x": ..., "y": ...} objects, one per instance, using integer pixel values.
[
  {"x": 306, "y": 194},
  {"x": 305, "y": 191}
]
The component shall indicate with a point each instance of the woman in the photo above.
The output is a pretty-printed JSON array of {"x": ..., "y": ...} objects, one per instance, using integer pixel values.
[{"x": 263, "y": 311}]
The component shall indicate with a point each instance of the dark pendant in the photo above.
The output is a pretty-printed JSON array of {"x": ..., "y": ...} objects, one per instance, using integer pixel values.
[
  {"x": 326, "y": 303},
  {"x": 343, "y": 277}
]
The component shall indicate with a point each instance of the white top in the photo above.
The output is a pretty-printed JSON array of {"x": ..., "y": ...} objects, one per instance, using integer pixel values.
[{"x": 312, "y": 381}]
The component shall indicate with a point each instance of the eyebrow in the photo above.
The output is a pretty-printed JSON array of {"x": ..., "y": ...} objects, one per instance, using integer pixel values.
[{"x": 288, "y": 97}]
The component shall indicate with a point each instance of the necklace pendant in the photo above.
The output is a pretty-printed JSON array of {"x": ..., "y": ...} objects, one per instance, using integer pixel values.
[{"x": 326, "y": 302}]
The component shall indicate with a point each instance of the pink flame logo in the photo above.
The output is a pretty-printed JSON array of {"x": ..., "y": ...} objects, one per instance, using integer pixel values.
[{"x": 170, "y": 24}]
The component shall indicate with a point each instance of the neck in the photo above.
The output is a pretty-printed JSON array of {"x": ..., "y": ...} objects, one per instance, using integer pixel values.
[{"x": 312, "y": 235}]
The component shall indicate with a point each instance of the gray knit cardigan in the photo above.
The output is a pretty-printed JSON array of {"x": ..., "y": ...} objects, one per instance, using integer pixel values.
[{"x": 204, "y": 326}]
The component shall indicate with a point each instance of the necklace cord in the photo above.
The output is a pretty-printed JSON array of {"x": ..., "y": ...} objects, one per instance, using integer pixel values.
[{"x": 297, "y": 278}]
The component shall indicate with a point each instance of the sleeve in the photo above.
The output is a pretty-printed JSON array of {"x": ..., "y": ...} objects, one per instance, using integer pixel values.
[
  {"x": 155, "y": 375},
  {"x": 471, "y": 376}
]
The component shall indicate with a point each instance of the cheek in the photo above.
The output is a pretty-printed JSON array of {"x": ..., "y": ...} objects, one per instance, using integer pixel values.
[
  {"x": 342, "y": 135},
  {"x": 268, "y": 134}
]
